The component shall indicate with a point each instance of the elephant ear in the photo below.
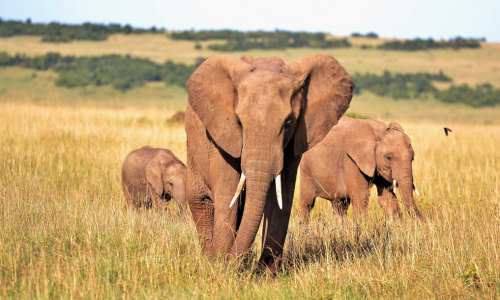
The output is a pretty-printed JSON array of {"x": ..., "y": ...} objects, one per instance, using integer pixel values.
[
  {"x": 154, "y": 170},
  {"x": 212, "y": 95},
  {"x": 360, "y": 142},
  {"x": 326, "y": 91},
  {"x": 396, "y": 125},
  {"x": 247, "y": 58}
]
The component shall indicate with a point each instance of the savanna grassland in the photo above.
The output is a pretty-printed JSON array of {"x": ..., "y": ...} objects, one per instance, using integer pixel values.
[{"x": 67, "y": 232}]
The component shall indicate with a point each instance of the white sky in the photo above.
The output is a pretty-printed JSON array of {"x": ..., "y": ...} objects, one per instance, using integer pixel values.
[{"x": 391, "y": 18}]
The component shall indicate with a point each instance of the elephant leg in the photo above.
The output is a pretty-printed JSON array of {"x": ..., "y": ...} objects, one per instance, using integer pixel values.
[
  {"x": 388, "y": 201},
  {"x": 360, "y": 202},
  {"x": 340, "y": 206},
  {"x": 307, "y": 200},
  {"x": 224, "y": 177},
  {"x": 158, "y": 203},
  {"x": 201, "y": 206},
  {"x": 276, "y": 220},
  {"x": 357, "y": 189}
]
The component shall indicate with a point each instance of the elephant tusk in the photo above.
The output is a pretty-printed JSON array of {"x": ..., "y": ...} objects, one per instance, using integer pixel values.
[
  {"x": 416, "y": 191},
  {"x": 278, "y": 191},
  {"x": 238, "y": 190},
  {"x": 394, "y": 183}
]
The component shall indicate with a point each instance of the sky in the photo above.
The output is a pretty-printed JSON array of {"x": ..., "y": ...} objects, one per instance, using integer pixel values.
[{"x": 392, "y": 18}]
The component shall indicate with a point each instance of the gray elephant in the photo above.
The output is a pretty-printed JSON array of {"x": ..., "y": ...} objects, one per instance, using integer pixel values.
[
  {"x": 353, "y": 156},
  {"x": 151, "y": 177},
  {"x": 247, "y": 124}
]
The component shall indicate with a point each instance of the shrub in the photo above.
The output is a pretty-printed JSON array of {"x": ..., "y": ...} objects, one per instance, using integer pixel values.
[
  {"x": 57, "y": 32},
  {"x": 371, "y": 34},
  {"x": 483, "y": 95},
  {"x": 398, "y": 86},
  {"x": 242, "y": 41},
  {"x": 420, "y": 44},
  {"x": 121, "y": 72}
]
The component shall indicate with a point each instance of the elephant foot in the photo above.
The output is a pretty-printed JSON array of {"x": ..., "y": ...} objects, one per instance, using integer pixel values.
[{"x": 270, "y": 262}]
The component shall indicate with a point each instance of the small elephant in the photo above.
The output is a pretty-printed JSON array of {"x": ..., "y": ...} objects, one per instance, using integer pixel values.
[
  {"x": 151, "y": 177},
  {"x": 353, "y": 156}
]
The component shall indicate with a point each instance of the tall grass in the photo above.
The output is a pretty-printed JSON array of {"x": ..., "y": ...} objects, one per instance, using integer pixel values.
[{"x": 67, "y": 232}]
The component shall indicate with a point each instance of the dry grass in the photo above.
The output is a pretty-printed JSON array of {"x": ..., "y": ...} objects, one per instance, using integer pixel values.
[
  {"x": 66, "y": 231},
  {"x": 464, "y": 66}
]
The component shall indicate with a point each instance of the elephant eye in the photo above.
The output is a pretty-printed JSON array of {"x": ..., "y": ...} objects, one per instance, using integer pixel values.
[
  {"x": 171, "y": 184},
  {"x": 389, "y": 158},
  {"x": 288, "y": 123}
]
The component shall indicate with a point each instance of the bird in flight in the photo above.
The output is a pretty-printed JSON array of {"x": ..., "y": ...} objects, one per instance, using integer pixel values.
[{"x": 446, "y": 129}]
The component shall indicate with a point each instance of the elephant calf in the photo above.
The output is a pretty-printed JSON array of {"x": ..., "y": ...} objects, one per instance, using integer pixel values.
[
  {"x": 152, "y": 176},
  {"x": 352, "y": 157}
]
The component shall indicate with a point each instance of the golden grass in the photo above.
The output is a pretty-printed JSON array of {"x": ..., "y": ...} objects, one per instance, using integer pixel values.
[
  {"x": 66, "y": 231},
  {"x": 472, "y": 66}
]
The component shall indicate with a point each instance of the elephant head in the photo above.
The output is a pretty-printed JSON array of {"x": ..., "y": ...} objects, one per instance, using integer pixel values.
[
  {"x": 386, "y": 150},
  {"x": 252, "y": 110},
  {"x": 166, "y": 175}
]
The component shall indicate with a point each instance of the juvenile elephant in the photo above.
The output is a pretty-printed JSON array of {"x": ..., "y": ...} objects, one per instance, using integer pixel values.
[
  {"x": 247, "y": 123},
  {"x": 352, "y": 157},
  {"x": 151, "y": 177}
]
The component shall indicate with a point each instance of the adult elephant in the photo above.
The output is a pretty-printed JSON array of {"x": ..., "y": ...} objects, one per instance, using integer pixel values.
[
  {"x": 248, "y": 123},
  {"x": 352, "y": 157}
]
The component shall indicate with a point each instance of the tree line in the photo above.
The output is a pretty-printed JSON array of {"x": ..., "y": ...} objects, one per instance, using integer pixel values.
[
  {"x": 399, "y": 85},
  {"x": 235, "y": 40},
  {"x": 121, "y": 72},
  {"x": 57, "y": 32},
  {"x": 419, "y": 85},
  {"x": 372, "y": 35},
  {"x": 278, "y": 39},
  {"x": 125, "y": 72},
  {"x": 428, "y": 44}
]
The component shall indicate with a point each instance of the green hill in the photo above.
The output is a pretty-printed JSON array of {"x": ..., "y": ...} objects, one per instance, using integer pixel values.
[{"x": 465, "y": 66}]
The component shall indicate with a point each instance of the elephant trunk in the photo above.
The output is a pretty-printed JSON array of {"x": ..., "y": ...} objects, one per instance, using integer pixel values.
[
  {"x": 405, "y": 183},
  {"x": 180, "y": 197},
  {"x": 259, "y": 169}
]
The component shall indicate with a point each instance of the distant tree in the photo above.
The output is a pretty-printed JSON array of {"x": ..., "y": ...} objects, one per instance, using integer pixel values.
[
  {"x": 127, "y": 29},
  {"x": 278, "y": 39},
  {"x": 56, "y": 32},
  {"x": 114, "y": 28},
  {"x": 368, "y": 35},
  {"x": 121, "y": 72},
  {"x": 198, "y": 46},
  {"x": 482, "y": 95},
  {"x": 420, "y": 44}
]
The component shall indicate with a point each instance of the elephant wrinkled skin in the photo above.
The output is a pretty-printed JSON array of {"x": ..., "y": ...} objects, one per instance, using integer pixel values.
[
  {"x": 352, "y": 157},
  {"x": 255, "y": 118},
  {"x": 151, "y": 177}
]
